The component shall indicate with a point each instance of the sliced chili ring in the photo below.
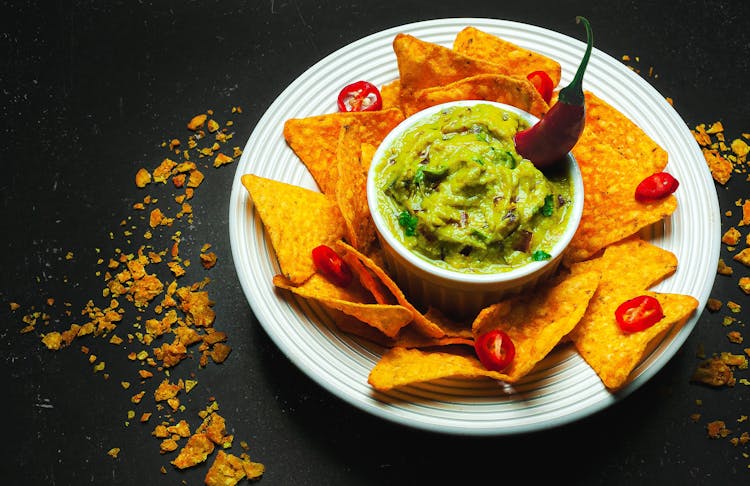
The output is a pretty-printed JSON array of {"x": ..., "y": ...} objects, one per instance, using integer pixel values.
[
  {"x": 543, "y": 84},
  {"x": 332, "y": 266},
  {"x": 495, "y": 349},
  {"x": 638, "y": 313},
  {"x": 656, "y": 186},
  {"x": 360, "y": 96}
]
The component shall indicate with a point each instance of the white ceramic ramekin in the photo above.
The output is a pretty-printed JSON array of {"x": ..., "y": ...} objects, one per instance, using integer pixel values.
[{"x": 462, "y": 295}]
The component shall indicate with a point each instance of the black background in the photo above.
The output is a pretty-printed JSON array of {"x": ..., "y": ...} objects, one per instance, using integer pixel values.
[{"x": 88, "y": 93}]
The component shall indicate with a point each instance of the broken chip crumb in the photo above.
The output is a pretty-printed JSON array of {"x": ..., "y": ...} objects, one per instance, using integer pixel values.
[
  {"x": 731, "y": 236},
  {"x": 222, "y": 159},
  {"x": 168, "y": 445},
  {"x": 714, "y": 372},
  {"x": 208, "y": 260},
  {"x": 228, "y": 470},
  {"x": 196, "y": 451},
  {"x": 743, "y": 257},
  {"x": 142, "y": 178},
  {"x": 717, "y": 429},
  {"x": 735, "y": 337},
  {"x": 723, "y": 268},
  {"x": 713, "y": 305},
  {"x": 197, "y": 122}
]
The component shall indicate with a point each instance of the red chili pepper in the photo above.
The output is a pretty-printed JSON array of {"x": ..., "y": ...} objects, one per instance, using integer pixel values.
[
  {"x": 656, "y": 186},
  {"x": 332, "y": 266},
  {"x": 495, "y": 349},
  {"x": 360, "y": 96},
  {"x": 557, "y": 132},
  {"x": 543, "y": 83},
  {"x": 638, "y": 313}
]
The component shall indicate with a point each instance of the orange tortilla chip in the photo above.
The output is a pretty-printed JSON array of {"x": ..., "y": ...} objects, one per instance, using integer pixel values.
[
  {"x": 387, "y": 318},
  {"x": 391, "y": 94},
  {"x": 351, "y": 325},
  {"x": 411, "y": 338},
  {"x": 614, "y": 155},
  {"x": 633, "y": 263},
  {"x": 314, "y": 139},
  {"x": 407, "y": 337},
  {"x": 297, "y": 220},
  {"x": 614, "y": 354},
  {"x": 610, "y": 210},
  {"x": 424, "y": 65},
  {"x": 379, "y": 291},
  {"x": 422, "y": 323},
  {"x": 351, "y": 191},
  {"x": 401, "y": 367},
  {"x": 536, "y": 322},
  {"x": 519, "y": 61},
  {"x": 605, "y": 124},
  {"x": 448, "y": 325},
  {"x": 367, "y": 152},
  {"x": 489, "y": 87},
  {"x": 627, "y": 269}
]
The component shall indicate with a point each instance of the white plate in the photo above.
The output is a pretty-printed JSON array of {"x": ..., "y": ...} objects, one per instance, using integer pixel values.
[{"x": 562, "y": 388}]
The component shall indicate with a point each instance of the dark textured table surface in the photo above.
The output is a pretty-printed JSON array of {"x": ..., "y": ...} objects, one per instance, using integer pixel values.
[{"x": 89, "y": 93}]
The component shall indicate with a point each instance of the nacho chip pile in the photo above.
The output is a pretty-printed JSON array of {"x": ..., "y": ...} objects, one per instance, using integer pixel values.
[{"x": 606, "y": 263}]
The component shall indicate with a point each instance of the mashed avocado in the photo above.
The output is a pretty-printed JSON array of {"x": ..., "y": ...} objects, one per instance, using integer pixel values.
[{"x": 455, "y": 191}]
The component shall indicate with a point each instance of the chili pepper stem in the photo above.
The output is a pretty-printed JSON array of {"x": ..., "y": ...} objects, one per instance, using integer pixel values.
[{"x": 572, "y": 94}]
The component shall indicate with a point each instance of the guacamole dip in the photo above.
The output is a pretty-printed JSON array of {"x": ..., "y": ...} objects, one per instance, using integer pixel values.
[{"x": 454, "y": 191}]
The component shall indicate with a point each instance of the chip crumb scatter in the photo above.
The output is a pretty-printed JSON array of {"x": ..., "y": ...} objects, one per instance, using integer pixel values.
[{"x": 174, "y": 321}]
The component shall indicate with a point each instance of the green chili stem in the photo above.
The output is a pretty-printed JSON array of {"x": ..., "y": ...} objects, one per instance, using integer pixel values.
[{"x": 572, "y": 94}]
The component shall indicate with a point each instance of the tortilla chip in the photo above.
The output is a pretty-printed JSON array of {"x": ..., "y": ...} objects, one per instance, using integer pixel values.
[
  {"x": 387, "y": 318},
  {"x": 489, "y": 87},
  {"x": 390, "y": 93},
  {"x": 536, "y": 322},
  {"x": 448, "y": 325},
  {"x": 315, "y": 139},
  {"x": 351, "y": 191},
  {"x": 614, "y": 354},
  {"x": 424, "y": 65},
  {"x": 519, "y": 61},
  {"x": 401, "y": 367},
  {"x": 605, "y": 124},
  {"x": 367, "y": 152},
  {"x": 407, "y": 337},
  {"x": 627, "y": 269},
  {"x": 368, "y": 280},
  {"x": 411, "y": 338},
  {"x": 632, "y": 263},
  {"x": 614, "y": 155},
  {"x": 422, "y": 323},
  {"x": 610, "y": 210},
  {"x": 351, "y": 325},
  {"x": 297, "y": 220}
]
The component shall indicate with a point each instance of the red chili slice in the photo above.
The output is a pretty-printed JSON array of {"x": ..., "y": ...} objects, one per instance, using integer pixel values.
[
  {"x": 638, "y": 313},
  {"x": 332, "y": 266},
  {"x": 543, "y": 83},
  {"x": 656, "y": 186},
  {"x": 495, "y": 349},
  {"x": 360, "y": 96}
]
